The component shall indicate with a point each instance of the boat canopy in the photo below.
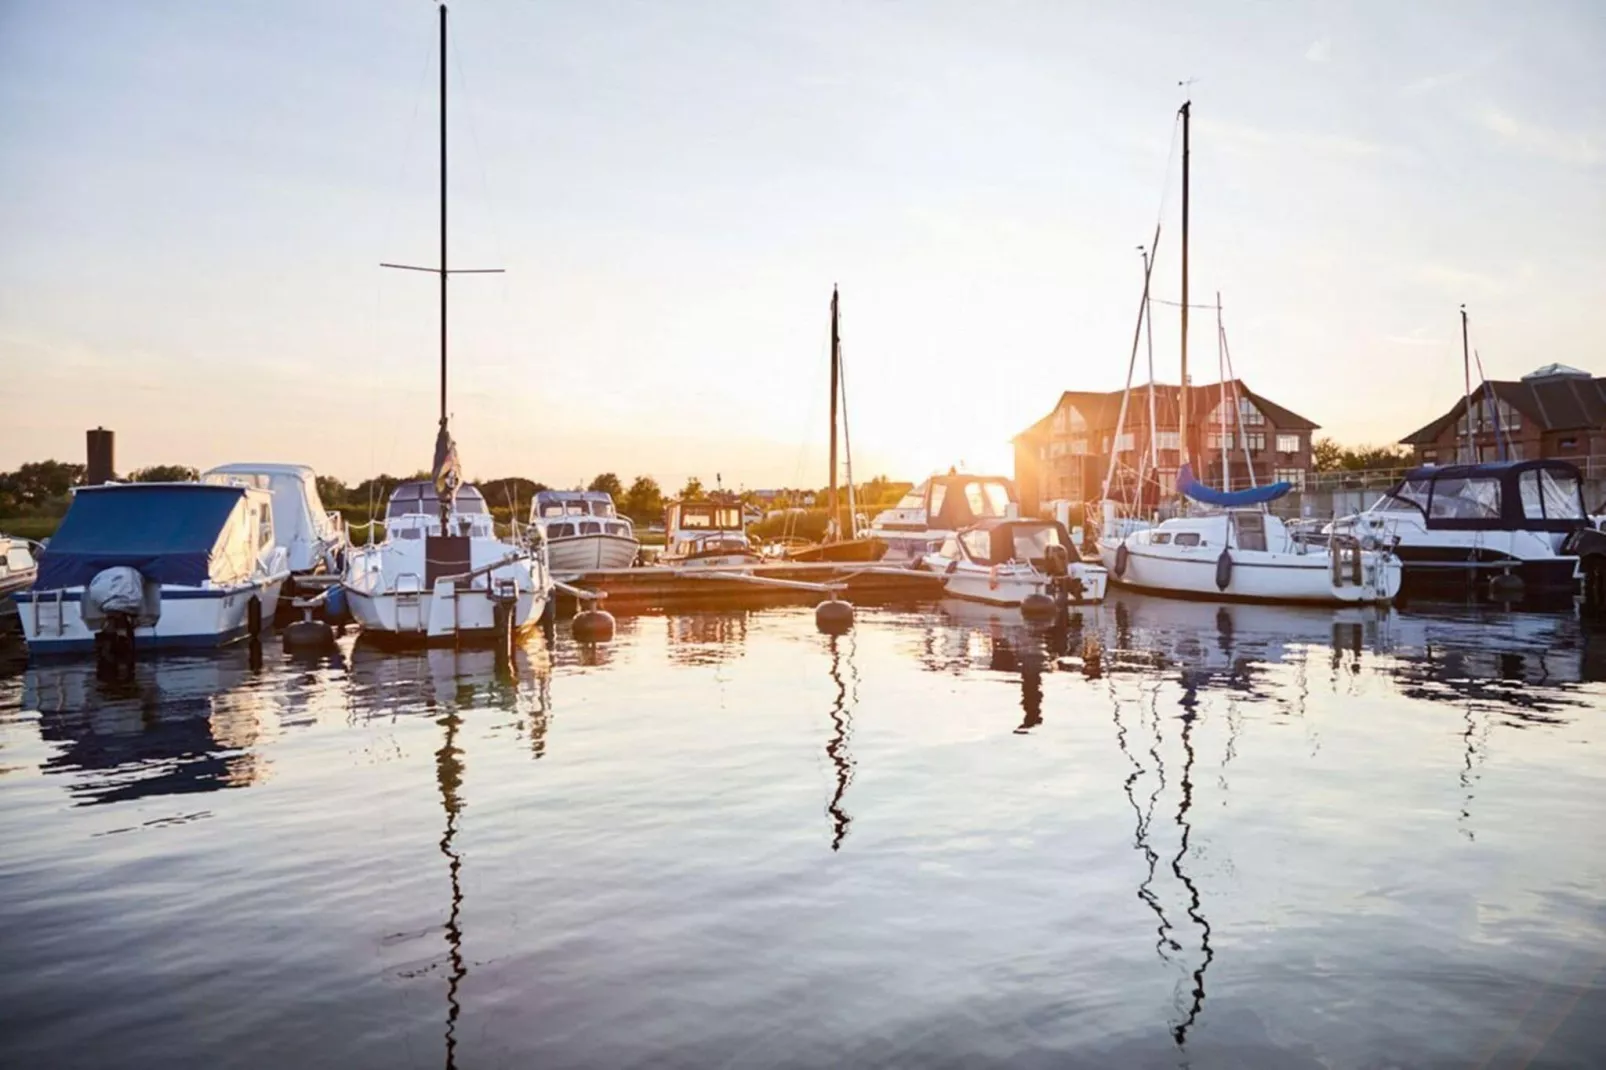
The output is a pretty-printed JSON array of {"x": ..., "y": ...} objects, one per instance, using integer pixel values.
[
  {"x": 999, "y": 541},
  {"x": 173, "y": 533},
  {"x": 551, "y": 503},
  {"x": 1193, "y": 489},
  {"x": 958, "y": 500},
  {"x": 303, "y": 524},
  {"x": 1544, "y": 495}
]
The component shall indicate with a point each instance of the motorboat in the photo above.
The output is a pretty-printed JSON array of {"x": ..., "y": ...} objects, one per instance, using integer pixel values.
[
  {"x": 313, "y": 536},
  {"x": 1457, "y": 527},
  {"x": 163, "y": 565},
  {"x": 583, "y": 531},
  {"x": 18, "y": 568},
  {"x": 939, "y": 507},
  {"x": 442, "y": 574},
  {"x": 1002, "y": 562},
  {"x": 706, "y": 533},
  {"x": 1241, "y": 552}
]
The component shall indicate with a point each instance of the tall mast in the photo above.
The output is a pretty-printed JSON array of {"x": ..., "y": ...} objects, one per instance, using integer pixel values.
[
  {"x": 1148, "y": 338},
  {"x": 831, "y": 528},
  {"x": 1187, "y": 111},
  {"x": 443, "y": 215},
  {"x": 1466, "y": 405},
  {"x": 1221, "y": 409}
]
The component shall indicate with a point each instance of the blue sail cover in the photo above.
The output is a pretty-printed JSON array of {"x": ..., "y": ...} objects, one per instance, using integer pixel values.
[
  {"x": 1192, "y": 488},
  {"x": 166, "y": 531}
]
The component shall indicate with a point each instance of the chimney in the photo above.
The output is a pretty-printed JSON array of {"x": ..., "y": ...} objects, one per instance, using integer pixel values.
[{"x": 102, "y": 457}]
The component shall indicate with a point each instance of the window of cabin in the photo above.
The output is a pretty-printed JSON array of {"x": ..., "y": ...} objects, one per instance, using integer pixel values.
[
  {"x": 1161, "y": 538},
  {"x": 1465, "y": 499},
  {"x": 950, "y": 546},
  {"x": 560, "y": 531},
  {"x": 1031, "y": 544},
  {"x": 939, "y": 494},
  {"x": 1189, "y": 538},
  {"x": 590, "y": 527},
  {"x": 1287, "y": 443},
  {"x": 1548, "y": 496},
  {"x": 978, "y": 544}
]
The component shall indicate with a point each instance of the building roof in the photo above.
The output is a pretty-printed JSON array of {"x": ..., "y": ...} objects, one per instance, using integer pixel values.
[
  {"x": 1103, "y": 410},
  {"x": 1555, "y": 400}
]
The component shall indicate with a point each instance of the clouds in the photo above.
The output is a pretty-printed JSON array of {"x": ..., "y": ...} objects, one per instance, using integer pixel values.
[
  {"x": 1567, "y": 147},
  {"x": 1320, "y": 50}
]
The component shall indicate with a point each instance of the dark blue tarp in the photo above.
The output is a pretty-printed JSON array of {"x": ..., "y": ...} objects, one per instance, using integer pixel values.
[
  {"x": 166, "y": 531},
  {"x": 1192, "y": 488}
]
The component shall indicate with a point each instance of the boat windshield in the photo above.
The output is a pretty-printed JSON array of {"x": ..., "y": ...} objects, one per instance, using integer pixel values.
[
  {"x": 987, "y": 499},
  {"x": 411, "y": 499},
  {"x": 1548, "y": 496},
  {"x": 916, "y": 498},
  {"x": 1465, "y": 499},
  {"x": 1410, "y": 496},
  {"x": 602, "y": 509},
  {"x": 1032, "y": 543}
]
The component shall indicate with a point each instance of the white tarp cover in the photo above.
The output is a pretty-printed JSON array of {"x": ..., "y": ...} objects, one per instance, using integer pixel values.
[{"x": 119, "y": 589}]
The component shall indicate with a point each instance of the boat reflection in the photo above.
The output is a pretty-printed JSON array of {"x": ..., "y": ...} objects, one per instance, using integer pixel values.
[
  {"x": 706, "y": 637},
  {"x": 386, "y": 682},
  {"x": 174, "y": 726},
  {"x": 842, "y": 649}
]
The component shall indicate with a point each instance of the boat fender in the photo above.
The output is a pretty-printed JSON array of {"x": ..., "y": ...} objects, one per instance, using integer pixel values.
[
  {"x": 1120, "y": 560},
  {"x": 992, "y": 578},
  {"x": 253, "y": 617},
  {"x": 1224, "y": 570}
]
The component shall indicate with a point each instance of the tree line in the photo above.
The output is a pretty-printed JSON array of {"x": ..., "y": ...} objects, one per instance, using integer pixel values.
[{"x": 42, "y": 488}]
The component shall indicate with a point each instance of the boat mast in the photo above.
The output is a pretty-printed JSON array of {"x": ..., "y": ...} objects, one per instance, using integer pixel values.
[
  {"x": 1148, "y": 338},
  {"x": 446, "y": 450},
  {"x": 1221, "y": 410},
  {"x": 831, "y": 528},
  {"x": 1187, "y": 111},
  {"x": 1466, "y": 404}
]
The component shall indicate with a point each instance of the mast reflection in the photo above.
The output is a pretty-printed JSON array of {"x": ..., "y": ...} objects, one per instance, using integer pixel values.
[
  {"x": 836, "y": 749},
  {"x": 449, "y": 777}
]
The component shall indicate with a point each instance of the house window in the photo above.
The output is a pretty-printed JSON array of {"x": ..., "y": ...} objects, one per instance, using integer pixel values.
[
  {"x": 1251, "y": 415},
  {"x": 1219, "y": 441},
  {"x": 1287, "y": 443},
  {"x": 1255, "y": 440},
  {"x": 1567, "y": 444},
  {"x": 1123, "y": 443},
  {"x": 1296, "y": 476},
  {"x": 1078, "y": 446},
  {"x": 1168, "y": 440},
  {"x": 1430, "y": 456}
]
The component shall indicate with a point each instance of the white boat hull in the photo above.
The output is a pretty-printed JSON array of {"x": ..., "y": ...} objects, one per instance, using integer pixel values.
[
  {"x": 1010, "y": 585},
  {"x": 1257, "y": 576},
  {"x": 386, "y": 594},
  {"x": 585, "y": 553},
  {"x": 192, "y": 618}
]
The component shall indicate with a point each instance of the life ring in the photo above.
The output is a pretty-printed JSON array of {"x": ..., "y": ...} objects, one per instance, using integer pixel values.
[
  {"x": 992, "y": 578},
  {"x": 1120, "y": 560},
  {"x": 1224, "y": 570}
]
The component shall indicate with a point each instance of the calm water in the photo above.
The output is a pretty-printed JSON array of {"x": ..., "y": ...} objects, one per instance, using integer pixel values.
[{"x": 1172, "y": 835}]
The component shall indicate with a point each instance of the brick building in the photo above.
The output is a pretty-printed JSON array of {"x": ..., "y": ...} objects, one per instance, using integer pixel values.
[
  {"x": 1065, "y": 454},
  {"x": 1555, "y": 411}
]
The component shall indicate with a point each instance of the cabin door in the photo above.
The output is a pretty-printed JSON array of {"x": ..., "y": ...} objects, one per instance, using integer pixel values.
[{"x": 1249, "y": 530}]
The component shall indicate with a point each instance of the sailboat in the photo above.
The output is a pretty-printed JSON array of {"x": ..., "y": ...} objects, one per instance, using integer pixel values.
[
  {"x": 1237, "y": 551},
  {"x": 833, "y": 547},
  {"x": 441, "y": 574}
]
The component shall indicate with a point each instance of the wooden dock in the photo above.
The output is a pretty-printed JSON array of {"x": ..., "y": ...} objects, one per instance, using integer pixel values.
[{"x": 661, "y": 587}]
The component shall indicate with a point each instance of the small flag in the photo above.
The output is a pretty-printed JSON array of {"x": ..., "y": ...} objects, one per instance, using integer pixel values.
[{"x": 447, "y": 472}]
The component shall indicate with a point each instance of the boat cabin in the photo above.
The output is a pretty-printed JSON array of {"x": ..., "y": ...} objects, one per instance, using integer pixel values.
[
  {"x": 311, "y": 533},
  {"x": 703, "y": 515},
  {"x": 1542, "y": 495},
  {"x": 999, "y": 542},
  {"x": 414, "y": 510},
  {"x": 952, "y": 502},
  {"x": 568, "y": 514}
]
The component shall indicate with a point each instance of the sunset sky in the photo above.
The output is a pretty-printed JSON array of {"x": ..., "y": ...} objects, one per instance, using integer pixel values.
[{"x": 195, "y": 197}]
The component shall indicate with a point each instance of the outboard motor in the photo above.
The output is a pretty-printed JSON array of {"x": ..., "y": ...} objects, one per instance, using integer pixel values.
[
  {"x": 114, "y": 606},
  {"x": 1056, "y": 561}
]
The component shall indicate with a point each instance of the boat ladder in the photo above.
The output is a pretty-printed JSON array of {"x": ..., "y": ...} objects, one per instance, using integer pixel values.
[{"x": 57, "y": 619}]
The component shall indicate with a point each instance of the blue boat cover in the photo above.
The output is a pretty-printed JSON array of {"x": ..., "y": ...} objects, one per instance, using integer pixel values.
[
  {"x": 1197, "y": 491},
  {"x": 165, "y": 530}
]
